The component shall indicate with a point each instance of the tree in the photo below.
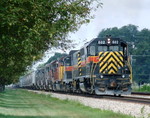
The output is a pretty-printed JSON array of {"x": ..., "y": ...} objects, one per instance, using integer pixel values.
[
  {"x": 141, "y": 57},
  {"x": 127, "y": 33},
  {"x": 28, "y": 28}
]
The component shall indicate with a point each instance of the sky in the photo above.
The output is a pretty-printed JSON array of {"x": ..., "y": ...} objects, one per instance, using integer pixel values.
[{"x": 113, "y": 13}]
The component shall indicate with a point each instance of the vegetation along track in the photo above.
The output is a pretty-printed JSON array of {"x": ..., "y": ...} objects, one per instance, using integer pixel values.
[{"x": 133, "y": 99}]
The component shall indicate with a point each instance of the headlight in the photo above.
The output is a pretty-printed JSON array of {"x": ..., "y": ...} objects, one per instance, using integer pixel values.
[
  {"x": 108, "y": 40},
  {"x": 101, "y": 76},
  {"x": 123, "y": 76}
]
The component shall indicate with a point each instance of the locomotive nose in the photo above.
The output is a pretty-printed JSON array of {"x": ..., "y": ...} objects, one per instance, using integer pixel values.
[{"x": 110, "y": 61}]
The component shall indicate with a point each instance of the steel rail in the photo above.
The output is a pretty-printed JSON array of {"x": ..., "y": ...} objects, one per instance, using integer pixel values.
[
  {"x": 141, "y": 93},
  {"x": 131, "y": 99}
]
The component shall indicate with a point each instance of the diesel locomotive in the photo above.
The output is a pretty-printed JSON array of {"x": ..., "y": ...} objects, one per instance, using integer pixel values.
[{"x": 102, "y": 66}]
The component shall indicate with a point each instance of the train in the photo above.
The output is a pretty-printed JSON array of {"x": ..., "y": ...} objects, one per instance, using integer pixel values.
[{"x": 102, "y": 67}]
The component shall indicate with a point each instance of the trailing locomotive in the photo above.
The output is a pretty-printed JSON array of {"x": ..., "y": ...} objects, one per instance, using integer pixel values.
[{"x": 101, "y": 66}]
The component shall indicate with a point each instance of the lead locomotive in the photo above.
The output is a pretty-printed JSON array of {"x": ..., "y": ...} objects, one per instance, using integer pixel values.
[{"x": 101, "y": 66}]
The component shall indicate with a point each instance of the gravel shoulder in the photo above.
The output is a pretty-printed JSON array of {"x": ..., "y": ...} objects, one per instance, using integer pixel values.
[{"x": 133, "y": 109}]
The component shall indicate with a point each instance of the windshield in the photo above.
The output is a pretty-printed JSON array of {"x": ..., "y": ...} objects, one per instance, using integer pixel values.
[
  {"x": 113, "y": 48},
  {"x": 67, "y": 62},
  {"x": 102, "y": 48}
]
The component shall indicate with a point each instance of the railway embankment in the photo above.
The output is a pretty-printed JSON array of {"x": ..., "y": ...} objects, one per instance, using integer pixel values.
[{"x": 137, "y": 110}]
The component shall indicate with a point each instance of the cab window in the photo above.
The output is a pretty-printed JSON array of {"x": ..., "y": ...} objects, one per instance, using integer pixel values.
[
  {"x": 125, "y": 50},
  {"x": 102, "y": 48},
  {"x": 113, "y": 48},
  {"x": 121, "y": 48},
  {"x": 82, "y": 51},
  {"x": 67, "y": 62},
  {"x": 92, "y": 50}
]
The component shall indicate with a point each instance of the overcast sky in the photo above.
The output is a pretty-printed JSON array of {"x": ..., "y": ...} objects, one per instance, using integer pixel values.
[{"x": 114, "y": 13}]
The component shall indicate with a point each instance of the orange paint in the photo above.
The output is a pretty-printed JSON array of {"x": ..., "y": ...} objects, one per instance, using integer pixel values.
[
  {"x": 68, "y": 68},
  {"x": 94, "y": 59}
]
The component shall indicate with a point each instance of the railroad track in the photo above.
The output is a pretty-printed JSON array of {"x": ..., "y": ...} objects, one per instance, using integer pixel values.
[
  {"x": 130, "y": 99},
  {"x": 141, "y": 93}
]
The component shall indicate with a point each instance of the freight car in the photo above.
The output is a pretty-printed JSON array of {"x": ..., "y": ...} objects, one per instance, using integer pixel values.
[
  {"x": 101, "y": 66},
  {"x": 28, "y": 80}
]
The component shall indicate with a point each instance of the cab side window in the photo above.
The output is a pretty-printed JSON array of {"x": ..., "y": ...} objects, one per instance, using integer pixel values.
[
  {"x": 82, "y": 51},
  {"x": 92, "y": 50}
]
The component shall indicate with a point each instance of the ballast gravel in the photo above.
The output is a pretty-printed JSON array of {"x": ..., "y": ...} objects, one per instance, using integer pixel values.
[{"x": 133, "y": 109}]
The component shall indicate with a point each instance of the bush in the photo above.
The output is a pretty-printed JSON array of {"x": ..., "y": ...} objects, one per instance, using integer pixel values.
[{"x": 143, "y": 88}]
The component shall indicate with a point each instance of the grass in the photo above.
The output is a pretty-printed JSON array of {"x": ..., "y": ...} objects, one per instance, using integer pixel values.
[
  {"x": 142, "y": 88},
  {"x": 16, "y": 103}
]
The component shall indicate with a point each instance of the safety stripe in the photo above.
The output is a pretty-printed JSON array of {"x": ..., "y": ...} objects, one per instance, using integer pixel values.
[
  {"x": 100, "y": 54},
  {"x": 114, "y": 59},
  {"x": 121, "y": 53},
  {"x": 108, "y": 56},
  {"x": 79, "y": 59},
  {"x": 105, "y": 65},
  {"x": 112, "y": 66},
  {"x": 111, "y": 71},
  {"x": 79, "y": 65},
  {"x": 109, "y": 62},
  {"x": 118, "y": 60},
  {"x": 118, "y": 55},
  {"x": 108, "y": 69},
  {"x": 111, "y": 59},
  {"x": 103, "y": 56}
]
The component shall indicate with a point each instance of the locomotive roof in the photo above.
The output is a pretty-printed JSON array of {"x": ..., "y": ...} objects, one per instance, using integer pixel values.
[
  {"x": 97, "y": 39},
  {"x": 72, "y": 51}
]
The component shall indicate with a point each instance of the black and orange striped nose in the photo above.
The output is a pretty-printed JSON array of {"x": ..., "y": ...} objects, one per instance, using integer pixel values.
[{"x": 109, "y": 62}]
